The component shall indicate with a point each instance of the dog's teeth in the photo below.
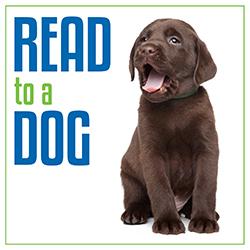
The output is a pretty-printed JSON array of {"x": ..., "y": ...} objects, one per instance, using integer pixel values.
[{"x": 163, "y": 90}]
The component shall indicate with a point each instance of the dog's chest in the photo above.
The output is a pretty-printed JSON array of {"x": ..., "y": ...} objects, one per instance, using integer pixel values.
[
  {"x": 180, "y": 172},
  {"x": 180, "y": 167}
]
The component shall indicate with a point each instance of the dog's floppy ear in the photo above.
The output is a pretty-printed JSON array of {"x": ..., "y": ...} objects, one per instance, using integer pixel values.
[
  {"x": 205, "y": 68},
  {"x": 131, "y": 62}
]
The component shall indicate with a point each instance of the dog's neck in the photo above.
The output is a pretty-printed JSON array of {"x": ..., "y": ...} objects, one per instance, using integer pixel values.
[{"x": 187, "y": 94}]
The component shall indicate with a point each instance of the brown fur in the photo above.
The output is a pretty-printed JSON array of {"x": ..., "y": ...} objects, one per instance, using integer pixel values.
[{"x": 174, "y": 149}]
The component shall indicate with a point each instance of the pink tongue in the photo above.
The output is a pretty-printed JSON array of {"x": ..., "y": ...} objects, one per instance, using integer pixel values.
[{"x": 154, "y": 82}]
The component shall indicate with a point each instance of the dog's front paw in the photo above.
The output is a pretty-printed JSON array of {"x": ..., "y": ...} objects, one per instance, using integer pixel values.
[
  {"x": 203, "y": 226},
  {"x": 168, "y": 227},
  {"x": 135, "y": 216}
]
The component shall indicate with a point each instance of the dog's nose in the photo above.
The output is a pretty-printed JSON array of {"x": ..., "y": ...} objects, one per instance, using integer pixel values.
[{"x": 148, "y": 50}]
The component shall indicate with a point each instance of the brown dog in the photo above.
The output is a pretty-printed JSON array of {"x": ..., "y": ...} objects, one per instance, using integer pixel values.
[{"x": 171, "y": 164}]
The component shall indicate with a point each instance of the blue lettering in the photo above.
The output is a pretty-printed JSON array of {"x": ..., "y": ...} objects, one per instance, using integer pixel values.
[
  {"x": 20, "y": 41},
  {"x": 78, "y": 54},
  {"x": 46, "y": 35},
  {"x": 84, "y": 160},
  {"x": 92, "y": 22},
  {"x": 45, "y": 147},
  {"x": 66, "y": 54},
  {"x": 18, "y": 133},
  {"x": 45, "y": 138}
]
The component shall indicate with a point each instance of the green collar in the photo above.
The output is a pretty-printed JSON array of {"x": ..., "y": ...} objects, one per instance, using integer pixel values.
[{"x": 190, "y": 93}]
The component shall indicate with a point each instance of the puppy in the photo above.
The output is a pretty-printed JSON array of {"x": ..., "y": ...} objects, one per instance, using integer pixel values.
[{"x": 170, "y": 167}]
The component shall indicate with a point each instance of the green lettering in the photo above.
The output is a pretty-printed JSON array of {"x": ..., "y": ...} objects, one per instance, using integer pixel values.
[{"x": 47, "y": 94}]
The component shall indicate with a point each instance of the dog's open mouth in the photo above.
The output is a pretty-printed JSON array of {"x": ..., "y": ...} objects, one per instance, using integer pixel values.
[{"x": 154, "y": 81}]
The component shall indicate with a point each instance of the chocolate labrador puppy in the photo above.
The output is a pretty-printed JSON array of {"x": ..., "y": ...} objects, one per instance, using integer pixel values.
[{"x": 170, "y": 167}]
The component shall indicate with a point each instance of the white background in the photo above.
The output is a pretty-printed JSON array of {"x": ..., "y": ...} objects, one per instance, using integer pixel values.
[{"x": 84, "y": 204}]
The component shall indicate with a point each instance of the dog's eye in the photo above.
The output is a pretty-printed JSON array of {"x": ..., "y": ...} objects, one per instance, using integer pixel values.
[
  {"x": 174, "y": 40},
  {"x": 144, "y": 39}
]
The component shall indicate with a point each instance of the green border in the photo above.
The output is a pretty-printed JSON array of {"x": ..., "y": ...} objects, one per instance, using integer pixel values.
[
  {"x": 125, "y": 6},
  {"x": 5, "y": 124},
  {"x": 244, "y": 122}
]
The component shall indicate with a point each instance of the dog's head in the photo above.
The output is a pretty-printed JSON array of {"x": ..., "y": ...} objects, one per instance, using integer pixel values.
[{"x": 171, "y": 60}]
